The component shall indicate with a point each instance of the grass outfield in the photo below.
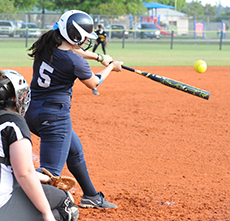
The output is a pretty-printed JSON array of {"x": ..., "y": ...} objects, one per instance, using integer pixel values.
[{"x": 154, "y": 53}]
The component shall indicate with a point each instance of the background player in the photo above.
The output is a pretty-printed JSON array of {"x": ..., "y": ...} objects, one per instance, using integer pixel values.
[{"x": 102, "y": 38}]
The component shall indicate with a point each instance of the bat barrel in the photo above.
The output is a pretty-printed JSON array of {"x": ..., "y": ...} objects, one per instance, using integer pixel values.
[
  {"x": 172, "y": 83},
  {"x": 179, "y": 86}
]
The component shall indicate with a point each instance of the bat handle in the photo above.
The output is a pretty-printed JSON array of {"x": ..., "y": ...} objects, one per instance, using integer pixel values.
[{"x": 128, "y": 68}]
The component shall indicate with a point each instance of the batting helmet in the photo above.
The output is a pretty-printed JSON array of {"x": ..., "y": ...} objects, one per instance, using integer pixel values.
[
  {"x": 100, "y": 26},
  {"x": 75, "y": 26}
]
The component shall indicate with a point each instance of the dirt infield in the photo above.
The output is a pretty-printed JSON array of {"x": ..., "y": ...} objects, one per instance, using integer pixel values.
[{"x": 158, "y": 153}]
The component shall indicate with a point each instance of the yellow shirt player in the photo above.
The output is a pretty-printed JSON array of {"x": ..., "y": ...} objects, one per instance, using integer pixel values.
[{"x": 102, "y": 39}]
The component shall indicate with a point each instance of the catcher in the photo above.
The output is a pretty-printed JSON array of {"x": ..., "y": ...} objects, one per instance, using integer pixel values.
[{"x": 22, "y": 197}]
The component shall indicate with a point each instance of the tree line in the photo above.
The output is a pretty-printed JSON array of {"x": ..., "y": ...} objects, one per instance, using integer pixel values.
[{"x": 108, "y": 7}]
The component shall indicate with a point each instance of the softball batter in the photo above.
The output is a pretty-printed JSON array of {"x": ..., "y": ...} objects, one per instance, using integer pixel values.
[{"x": 55, "y": 69}]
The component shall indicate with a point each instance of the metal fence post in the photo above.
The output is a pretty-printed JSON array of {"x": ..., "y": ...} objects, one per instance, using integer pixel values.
[
  {"x": 26, "y": 43},
  {"x": 221, "y": 37},
  {"x": 123, "y": 39},
  {"x": 26, "y": 36},
  {"x": 172, "y": 39}
]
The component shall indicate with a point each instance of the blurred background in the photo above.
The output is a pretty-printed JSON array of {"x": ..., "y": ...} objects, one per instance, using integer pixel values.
[{"x": 128, "y": 19}]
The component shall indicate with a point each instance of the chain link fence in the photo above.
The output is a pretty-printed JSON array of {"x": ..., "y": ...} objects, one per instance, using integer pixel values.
[{"x": 184, "y": 28}]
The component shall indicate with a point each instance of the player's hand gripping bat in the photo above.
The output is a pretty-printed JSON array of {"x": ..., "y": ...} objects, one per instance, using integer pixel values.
[{"x": 172, "y": 83}]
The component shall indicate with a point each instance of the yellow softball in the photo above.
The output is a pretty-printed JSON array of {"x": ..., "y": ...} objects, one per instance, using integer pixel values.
[{"x": 200, "y": 66}]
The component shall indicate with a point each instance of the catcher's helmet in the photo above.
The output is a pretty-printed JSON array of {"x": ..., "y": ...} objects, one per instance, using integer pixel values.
[
  {"x": 14, "y": 91},
  {"x": 75, "y": 26}
]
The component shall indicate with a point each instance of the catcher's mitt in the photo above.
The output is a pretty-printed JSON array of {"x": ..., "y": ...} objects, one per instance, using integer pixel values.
[{"x": 61, "y": 182}]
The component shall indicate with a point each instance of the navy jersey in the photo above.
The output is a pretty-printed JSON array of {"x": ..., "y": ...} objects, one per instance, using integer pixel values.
[
  {"x": 12, "y": 128},
  {"x": 101, "y": 36},
  {"x": 53, "y": 81}
]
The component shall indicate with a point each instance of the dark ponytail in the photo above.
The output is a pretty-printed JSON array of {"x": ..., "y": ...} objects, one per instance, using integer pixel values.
[{"x": 49, "y": 41}]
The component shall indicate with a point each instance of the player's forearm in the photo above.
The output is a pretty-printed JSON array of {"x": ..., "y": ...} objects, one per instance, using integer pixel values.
[
  {"x": 91, "y": 55},
  {"x": 106, "y": 71},
  {"x": 86, "y": 54},
  {"x": 97, "y": 79},
  {"x": 32, "y": 187},
  {"x": 24, "y": 171},
  {"x": 103, "y": 59},
  {"x": 113, "y": 66}
]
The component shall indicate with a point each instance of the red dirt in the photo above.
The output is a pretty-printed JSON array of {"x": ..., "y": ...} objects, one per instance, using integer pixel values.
[{"x": 158, "y": 153}]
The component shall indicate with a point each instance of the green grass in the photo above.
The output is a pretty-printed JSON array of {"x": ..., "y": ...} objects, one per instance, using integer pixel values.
[
  {"x": 151, "y": 53},
  {"x": 160, "y": 54},
  {"x": 14, "y": 54}
]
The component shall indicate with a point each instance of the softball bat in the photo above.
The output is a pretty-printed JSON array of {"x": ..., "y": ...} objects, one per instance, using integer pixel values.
[{"x": 172, "y": 83}]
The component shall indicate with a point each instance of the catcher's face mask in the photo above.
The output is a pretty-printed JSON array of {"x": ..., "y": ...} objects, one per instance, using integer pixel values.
[{"x": 21, "y": 90}]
